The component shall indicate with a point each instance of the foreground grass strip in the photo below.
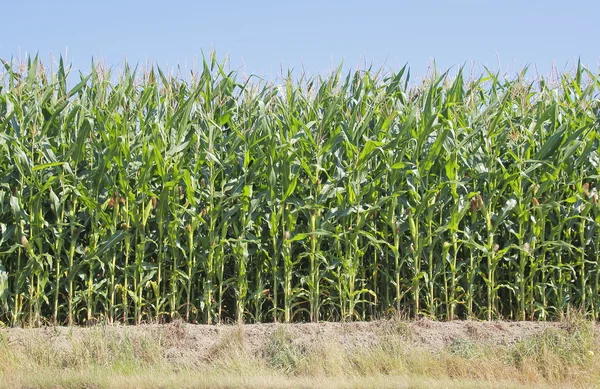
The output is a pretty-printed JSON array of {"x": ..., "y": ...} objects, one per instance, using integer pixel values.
[
  {"x": 372, "y": 355},
  {"x": 93, "y": 380}
]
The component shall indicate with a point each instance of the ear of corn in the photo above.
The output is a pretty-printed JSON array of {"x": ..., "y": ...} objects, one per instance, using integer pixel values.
[{"x": 145, "y": 197}]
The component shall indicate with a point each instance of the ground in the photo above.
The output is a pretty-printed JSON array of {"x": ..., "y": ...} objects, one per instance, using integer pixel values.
[{"x": 379, "y": 354}]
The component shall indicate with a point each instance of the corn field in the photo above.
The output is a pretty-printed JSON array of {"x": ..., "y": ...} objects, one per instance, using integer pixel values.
[{"x": 145, "y": 196}]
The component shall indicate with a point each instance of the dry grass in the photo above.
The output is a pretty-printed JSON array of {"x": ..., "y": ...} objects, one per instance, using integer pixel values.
[
  {"x": 215, "y": 380},
  {"x": 115, "y": 357}
]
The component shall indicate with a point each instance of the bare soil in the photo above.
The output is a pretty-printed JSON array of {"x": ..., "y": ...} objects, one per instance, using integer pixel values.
[{"x": 188, "y": 343}]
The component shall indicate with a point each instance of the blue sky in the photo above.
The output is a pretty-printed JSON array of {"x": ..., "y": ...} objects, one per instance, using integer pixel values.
[{"x": 263, "y": 36}]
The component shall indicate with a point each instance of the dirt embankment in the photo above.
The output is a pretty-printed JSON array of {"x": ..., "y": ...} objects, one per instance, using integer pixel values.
[{"x": 196, "y": 343}]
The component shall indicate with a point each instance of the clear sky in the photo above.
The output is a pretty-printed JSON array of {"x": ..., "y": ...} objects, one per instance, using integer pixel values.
[{"x": 263, "y": 36}]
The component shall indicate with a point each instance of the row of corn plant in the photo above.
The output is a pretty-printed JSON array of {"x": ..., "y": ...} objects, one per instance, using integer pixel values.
[{"x": 151, "y": 195}]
